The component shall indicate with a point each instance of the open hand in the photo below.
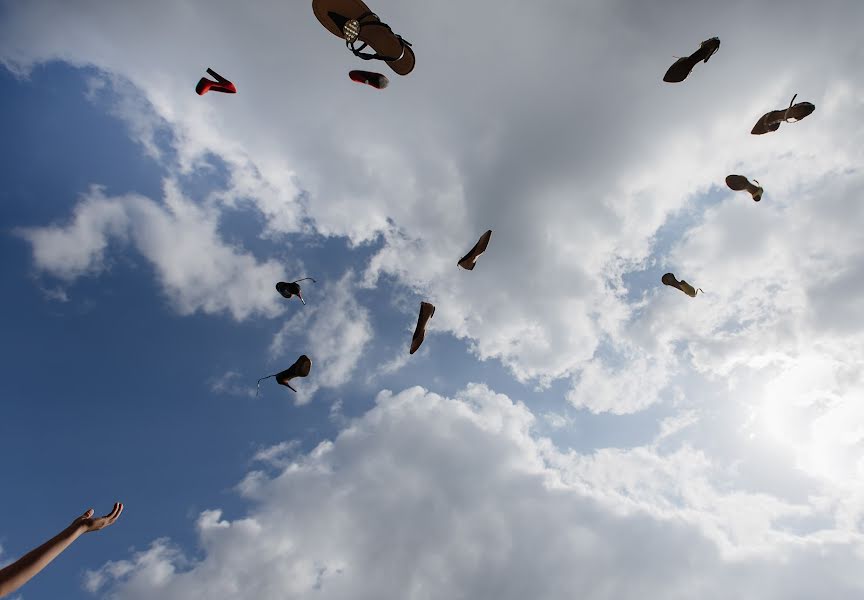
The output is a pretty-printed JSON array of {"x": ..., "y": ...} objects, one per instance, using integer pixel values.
[{"x": 88, "y": 523}]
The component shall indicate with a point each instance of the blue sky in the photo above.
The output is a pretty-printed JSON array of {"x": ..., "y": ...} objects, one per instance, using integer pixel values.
[{"x": 577, "y": 426}]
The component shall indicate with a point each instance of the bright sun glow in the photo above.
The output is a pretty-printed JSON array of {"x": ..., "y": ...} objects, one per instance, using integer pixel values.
[{"x": 802, "y": 411}]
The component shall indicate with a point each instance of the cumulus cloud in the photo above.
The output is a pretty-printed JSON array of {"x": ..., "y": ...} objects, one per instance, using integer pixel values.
[
  {"x": 195, "y": 267},
  {"x": 431, "y": 497}
]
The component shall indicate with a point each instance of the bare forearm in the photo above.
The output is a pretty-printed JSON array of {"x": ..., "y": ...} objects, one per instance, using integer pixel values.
[{"x": 21, "y": 571}]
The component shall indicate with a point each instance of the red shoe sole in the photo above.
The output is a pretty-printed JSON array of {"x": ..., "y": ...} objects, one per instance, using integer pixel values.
[{"x": 375, "y": 80}]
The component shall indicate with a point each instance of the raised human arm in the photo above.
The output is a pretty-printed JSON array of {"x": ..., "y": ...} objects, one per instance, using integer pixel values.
[{"x": 22, "y": 570}]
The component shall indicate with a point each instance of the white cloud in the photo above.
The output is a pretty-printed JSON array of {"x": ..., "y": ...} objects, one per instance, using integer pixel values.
[
  {"x": 628, "y": 389},
  {"x": 430, "y": 497},
  {"x": 125, "y": 102},
  {"x": 399, "y": 360},
  {"x": 78, "y": 248},
  {"x": 195, "y": 267},
  {"x": 557, "y": 420},
  {"x": 279, "y": 454},
  {"x": 677, "y": 423},
  {"x": 151, "y": 569}
]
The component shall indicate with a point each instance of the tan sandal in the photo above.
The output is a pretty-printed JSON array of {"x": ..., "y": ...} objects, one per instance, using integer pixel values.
[
  {"x": 669, "y": 279},
  {"x": 739, "y": 183}
]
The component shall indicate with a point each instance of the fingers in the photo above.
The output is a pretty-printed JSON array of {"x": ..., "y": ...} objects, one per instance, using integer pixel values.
[
  {"x": 115, "y": 512},
  {"x": 105, "y": 521},
  {"x": 87, "y": 514}
]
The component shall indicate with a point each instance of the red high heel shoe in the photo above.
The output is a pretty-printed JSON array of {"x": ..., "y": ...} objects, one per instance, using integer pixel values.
[{"x": 220, "y": 85}]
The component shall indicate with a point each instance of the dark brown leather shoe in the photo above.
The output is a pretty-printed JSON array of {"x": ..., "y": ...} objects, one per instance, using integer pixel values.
[
  {"x": 300, "y": 368},
  {"x": 679, "y": 71},
  {"x": 426, "y": 312},
  {"x": 771, "y": 120},
  {"x": 469, "y": 261},
  {"x": 292, "y": 288}
]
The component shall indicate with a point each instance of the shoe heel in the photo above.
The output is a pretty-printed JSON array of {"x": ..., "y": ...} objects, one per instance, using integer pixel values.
[{"x": 216, "y": 75}]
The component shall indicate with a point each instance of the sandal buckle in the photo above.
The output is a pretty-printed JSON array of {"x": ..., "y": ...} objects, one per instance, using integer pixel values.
[{"x": 351, "y": 31}]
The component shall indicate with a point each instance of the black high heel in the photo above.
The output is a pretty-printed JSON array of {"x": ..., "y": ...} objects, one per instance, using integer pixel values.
[
  {"x": 680, "y": 70},
  {"x": 291, "y": 289},
  {"x": 300, "y": 368}
]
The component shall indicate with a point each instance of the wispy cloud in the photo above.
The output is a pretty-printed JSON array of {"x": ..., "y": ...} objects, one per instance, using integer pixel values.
[{"x": 232, "y": 383}]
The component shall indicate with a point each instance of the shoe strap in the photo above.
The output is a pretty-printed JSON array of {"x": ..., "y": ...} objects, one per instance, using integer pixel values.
[
  {"x": 218, "y": 77},
  {"x": 786, "y": 112},
  {"x": 375, "y": 22}
]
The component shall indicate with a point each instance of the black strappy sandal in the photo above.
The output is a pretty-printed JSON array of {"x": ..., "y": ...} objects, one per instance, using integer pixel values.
[
  {"x": 680, "y": 70},
  {"x": 300, "y": 368},
  {"x": 292, "y": 288},
  {"x": 771, "y": 120}
]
